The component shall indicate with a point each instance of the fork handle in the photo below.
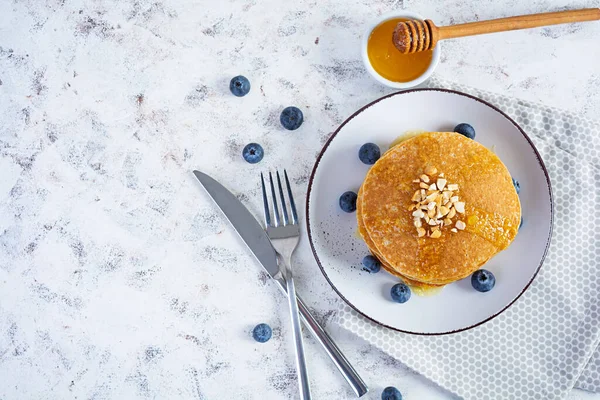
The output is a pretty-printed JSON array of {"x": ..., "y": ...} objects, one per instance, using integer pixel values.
[
  {"x": 335, "y": 354},
  {"x": 304, "y": 384}
]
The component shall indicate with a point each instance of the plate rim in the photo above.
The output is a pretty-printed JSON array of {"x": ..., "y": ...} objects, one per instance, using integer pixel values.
[{"x": 365, "y": 107}]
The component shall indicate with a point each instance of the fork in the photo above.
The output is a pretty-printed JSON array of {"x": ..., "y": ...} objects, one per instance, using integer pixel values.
[{"x": 285, "y": 234}]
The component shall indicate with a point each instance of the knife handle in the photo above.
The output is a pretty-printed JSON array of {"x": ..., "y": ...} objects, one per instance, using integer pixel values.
[{"x": 348, "y": 372}]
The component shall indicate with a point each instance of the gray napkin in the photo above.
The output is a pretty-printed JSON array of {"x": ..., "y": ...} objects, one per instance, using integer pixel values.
[{"x": 540, "y": 347}]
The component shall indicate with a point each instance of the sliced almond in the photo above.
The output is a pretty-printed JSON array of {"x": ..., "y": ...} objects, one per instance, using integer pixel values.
[
  {"x": 426, "y": 217},
  {"x": 423, "y": 185},
  {"x": 438, "y": 201},
  {"x": 441, "y": 183},
  {"x": 436, "y": 234},
  {"x": 460, "y": 225},
  {"x": 432, "y": 222},
  {"x": 432, "y": 187},
  {"x": 435, "y": 228},
  {"x": 429, "y": 170},
  {"x": 424, "y": 178},
  {"x": 454, "y": 199},
  {"x": 460, "y": 206},
  {"x": 454, "y": 230},
  {"x": 441, "y": 175},
  {"x": 444, "y": 210},
  {"x": 421, "y": 232},
  {"x": 431, "y": 206},
  {"x": 431, "y": 213},
  {"x": 453, "y": 187},
  {"x": 423, "y": 195},
  {"x": 416, "y": 196},
  {"x": 439, "y": 215},
  {"x": 418, "y": 223},
  {"x": 418, "y": 214},
  {"x": 431, "y": 197},
  {"x": 447, "y": 221},
  {"x": 452, "y": 212}
]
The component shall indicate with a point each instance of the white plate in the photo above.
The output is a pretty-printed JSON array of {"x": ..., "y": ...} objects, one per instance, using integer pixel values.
[{"x": 333, "y": 233}]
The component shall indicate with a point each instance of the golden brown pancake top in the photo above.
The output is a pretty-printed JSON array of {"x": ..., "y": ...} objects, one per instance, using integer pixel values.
[{"x": 492, "y": 208}]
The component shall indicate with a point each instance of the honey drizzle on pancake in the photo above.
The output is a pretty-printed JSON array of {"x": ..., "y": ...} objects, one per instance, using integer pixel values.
[{"x": 482, "y": 223}]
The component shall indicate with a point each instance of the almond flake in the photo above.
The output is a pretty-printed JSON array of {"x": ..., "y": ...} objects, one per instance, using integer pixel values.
[
  {"x": 439, "y": 215},
  {"x": 441, "y": 175},
  {"x": 418, "y": 223},
  {"x": 429, "y": 170},
  {"x": 453, "y": 187},
  {"x": 416, "y": 196},
  {"x": 441, "y": 183},
  {"x": 453, "y": 230},
  {"x": 444, "y": 210},
  {"x": 425, "y": 178},
  {"x": 420, "y": 232},
  {"x": 452, "y": 212},
  {"x": 460, "y": 225},
  {"x": 432, "y": 222},
  {"x": 431, "y": 206},
  {"x": 460, "y": 206},
  {"x": 431, "y": 213},
  {"x": 436, "y": 234},
  {"x": 435, "y": 228},
  {"x": 454, "y": 199},
  {"x": 423, "y": 195},
  {"x": 432, "y": 187},
  {"x": 431, "y": 197},
  {"x": 423, "y": 185},
  {"x": 447, "y": 221},
  {"x": 418, "y": 214},
  {"x": 426, "y": 218}
]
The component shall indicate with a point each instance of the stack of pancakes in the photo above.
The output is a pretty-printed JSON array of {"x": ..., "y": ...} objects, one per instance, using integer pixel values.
[{"x": 488, "y": 223}]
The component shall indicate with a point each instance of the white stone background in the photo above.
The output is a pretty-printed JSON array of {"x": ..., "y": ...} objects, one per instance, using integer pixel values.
[{"x": 118, "y": 277}]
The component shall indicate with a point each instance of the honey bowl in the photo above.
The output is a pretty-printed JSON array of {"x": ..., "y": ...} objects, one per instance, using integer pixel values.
[{"x": 386, "y": 64}]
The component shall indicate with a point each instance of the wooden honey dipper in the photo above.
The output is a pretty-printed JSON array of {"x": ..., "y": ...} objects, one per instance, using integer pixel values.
[{"x": 415, "y": 35}]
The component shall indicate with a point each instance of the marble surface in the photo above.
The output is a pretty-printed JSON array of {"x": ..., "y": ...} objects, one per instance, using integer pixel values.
[{"x": 118, "y": 277}]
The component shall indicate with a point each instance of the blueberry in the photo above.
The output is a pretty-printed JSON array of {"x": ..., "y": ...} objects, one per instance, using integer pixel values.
[
  {"x": 521, "y": 224},
  {"x": 239, "y": 86},
  {"x": 371, "y": 264},
  {"x": 465, "y": 130},
  {"x": 262, "y": 333},
  {"x": 483, "y": 280},
  {"x": 400, "y": 293},
  {"x": 291, "y": 118},
  {"x": 517, "y": 185},
  {"x": 369, "y": 153},
  {"x": 348, "y": 202},
  {"x": 391, "y": 393},
  {"x": 253, "y": 153}
]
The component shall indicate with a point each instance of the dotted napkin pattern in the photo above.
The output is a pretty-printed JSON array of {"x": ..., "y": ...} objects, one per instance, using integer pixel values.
[{"x": 544, "y": 344}]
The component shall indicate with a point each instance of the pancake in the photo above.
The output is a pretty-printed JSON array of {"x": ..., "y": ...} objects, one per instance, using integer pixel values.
[
  {"x": 421, "y": 287},
  {"x": 492, "y": 209}
]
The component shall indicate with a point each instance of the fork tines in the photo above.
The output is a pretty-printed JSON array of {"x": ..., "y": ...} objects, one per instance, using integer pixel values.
[{"x": 284, "y": 212}]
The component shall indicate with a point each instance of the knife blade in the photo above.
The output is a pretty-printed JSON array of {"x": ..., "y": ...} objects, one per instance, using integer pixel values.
[{"x": 253, "y": 234}]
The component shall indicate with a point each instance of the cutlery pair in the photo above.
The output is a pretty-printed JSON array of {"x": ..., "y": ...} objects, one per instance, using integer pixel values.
[{"x": 273, "y": 247}]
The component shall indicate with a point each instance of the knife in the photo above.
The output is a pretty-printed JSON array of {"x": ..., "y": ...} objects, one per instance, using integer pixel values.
[{"x": 253, "y": 234}]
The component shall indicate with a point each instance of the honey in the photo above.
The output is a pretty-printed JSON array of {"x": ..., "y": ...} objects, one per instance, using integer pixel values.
[{"x": 388, "y": 61}]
